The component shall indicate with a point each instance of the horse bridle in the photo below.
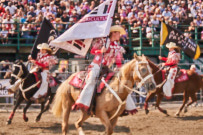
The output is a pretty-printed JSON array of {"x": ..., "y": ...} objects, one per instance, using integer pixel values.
[
  {"x": 18, "y": 76},
  {"x": 143, "y": 80}
]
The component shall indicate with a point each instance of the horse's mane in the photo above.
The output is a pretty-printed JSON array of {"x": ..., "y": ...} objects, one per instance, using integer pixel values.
[
  {"x": 152, "y": 65},
  {"x": 20, "y": 62},
  {"x": 126, "y": 67}
]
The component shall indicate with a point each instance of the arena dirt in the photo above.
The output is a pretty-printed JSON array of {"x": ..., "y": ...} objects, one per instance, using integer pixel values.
[{"x": 154, "y": 123}]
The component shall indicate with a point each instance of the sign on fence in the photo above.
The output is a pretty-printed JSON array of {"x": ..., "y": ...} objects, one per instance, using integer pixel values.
[{"x": 4, "y": 85}]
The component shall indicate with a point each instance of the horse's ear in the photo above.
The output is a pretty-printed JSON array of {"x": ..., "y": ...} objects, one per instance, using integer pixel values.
[{"x": 136, "y": 57}]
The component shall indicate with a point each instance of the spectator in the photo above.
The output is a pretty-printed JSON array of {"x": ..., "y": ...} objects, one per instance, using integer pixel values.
[
  {"x": 174, "y": 18},
  {"x": 8, "y": 22},
  {"x": 2, "y": 9},
  {"x": 31, "y": 12},
  {"x": 62, "y": 6},
  {"x": 38, "y": 10},
  {"x": 65, "y": 19},
  {"x": 92, "y": 6},
  {"x": 52, "y": 8},
  {"x": 4, "y": 35},
  {"x": 59, "y": 13},
  {"x": 26, "y": 33},
  {"x": 149, "y": 32},
  {"x": 4, "y": 69},
  {"x": 198, "y": 20},
  {"x": 86, "y": 7},
  {"x": 13, "y": 33},
  {"x": 11, "y": 8},
  {"x": 167, "y": 13}
]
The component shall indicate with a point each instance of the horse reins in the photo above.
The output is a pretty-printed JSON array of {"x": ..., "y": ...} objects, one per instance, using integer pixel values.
[{"x": 142, "y": 81}]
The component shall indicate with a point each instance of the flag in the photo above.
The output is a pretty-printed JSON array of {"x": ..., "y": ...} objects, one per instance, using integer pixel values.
[
  {"x": 171, "y": 34},
  {"x": 95, "y": 24},
  {"x": 47, "y": 33}
]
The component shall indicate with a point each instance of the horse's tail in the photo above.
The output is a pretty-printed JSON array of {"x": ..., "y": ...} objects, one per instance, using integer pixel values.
[
  {"x": 57, "y": 106},
  {"x": 62, "y": 95}
]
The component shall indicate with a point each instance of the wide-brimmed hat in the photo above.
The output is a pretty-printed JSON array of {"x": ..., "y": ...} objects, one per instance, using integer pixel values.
[
  {"x": 118, "y": 28},
  {"x": 171, "y": 45},
  {"x": 44, "y": 46}
]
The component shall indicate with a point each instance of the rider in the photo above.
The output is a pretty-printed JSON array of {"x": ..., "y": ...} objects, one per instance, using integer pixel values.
[
  {"x": 44, "y": 61},
  {"x": 112, "y": 54},
  {"x": 171, "y": 61}
]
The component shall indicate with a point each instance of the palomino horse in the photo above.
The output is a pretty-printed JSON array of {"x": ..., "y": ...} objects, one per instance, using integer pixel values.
[
  {"x": 137, "y": 70},
  {"x": 189, "y": 88},
  {"x": 28, "y": 87}
]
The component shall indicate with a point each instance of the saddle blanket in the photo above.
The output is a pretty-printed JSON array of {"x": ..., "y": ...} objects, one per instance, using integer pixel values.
[
  {"x": 180, "y": 77},
  {"x": 78, "y": 81}
]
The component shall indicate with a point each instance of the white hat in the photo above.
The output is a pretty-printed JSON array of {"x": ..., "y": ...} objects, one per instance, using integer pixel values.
[
  {"x": 171, "y": 45},
  {"x": 118, "y": 28},
  {"x": 44, "y": 46}
]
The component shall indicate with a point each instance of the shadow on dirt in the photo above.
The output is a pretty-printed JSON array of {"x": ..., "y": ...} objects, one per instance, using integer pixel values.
[
  {"x": 56, "y": 128},
  {"x": 188, "y": 118}
]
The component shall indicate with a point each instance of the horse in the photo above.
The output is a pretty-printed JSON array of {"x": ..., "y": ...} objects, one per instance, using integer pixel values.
[
  {"x": 188, "y": 87},
  {"x": 29, "y": 85},
  {"x": 137, "y": 70}
]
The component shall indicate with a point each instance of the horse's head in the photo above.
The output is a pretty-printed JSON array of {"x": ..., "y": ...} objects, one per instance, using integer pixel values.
[
  {"x": 19, "y": 71},
  {"x": 143, "y": 74}
]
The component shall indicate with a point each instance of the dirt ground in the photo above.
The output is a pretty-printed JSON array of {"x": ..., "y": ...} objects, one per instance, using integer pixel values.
[{"x": 155, "y": 123}]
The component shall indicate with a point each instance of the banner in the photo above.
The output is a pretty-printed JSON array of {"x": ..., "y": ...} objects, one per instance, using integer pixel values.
[
  {"x": 95, "y": 24},
  {"x": 170, "y": 34},
  {"x": 4, "y": 85},
  {"x": 47, "y": 33}
]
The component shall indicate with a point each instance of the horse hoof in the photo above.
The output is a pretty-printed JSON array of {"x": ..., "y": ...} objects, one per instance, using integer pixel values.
[
  {"x": 26, "y": 119},
  {"x": 37, "y": 120},
  {"x": 177, "y": 114},
  {"x": 8, "y": 122},
  {"x": 146, "y": 111},
  {"x": 185, "y": 110},
  {"x": 165, "y": 112}
]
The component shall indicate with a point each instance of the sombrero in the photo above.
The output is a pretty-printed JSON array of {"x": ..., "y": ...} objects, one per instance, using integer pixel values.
[
  {"x": 172, "y": 45},
  {"x": 44, "y": 46},
  {"x": 118, "y": 28}
]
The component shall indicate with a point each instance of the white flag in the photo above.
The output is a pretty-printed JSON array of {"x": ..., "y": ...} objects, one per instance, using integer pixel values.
[{"x": 95, "y": 24}]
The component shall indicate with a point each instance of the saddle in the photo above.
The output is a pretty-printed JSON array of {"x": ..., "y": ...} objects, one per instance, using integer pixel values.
[
  {"x": 78, "y": 81},
  {"x": 181, "y": 75}
]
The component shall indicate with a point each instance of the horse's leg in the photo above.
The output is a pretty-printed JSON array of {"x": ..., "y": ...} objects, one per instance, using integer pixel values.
[
  {"x": 66, "y": 107},
  {"x": 79, "y": 122},
  {"x": 19, "y": 100},
  {"x": 105, "y": 120},
  {"x": 185, "y": 99},
  {"x": 158, "y": 101},
  {"x": 113, "y": 122},
  {"x": 147, "y": 100},
  {"x": 194, "y": 99},
  {"x": 25, "y": 110},
  {"x": 39, "y": 115},
  {"x": 45, "y": 104}
]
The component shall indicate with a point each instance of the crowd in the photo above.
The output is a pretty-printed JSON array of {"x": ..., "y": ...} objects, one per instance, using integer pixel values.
[{"x": 64, "y": 13}]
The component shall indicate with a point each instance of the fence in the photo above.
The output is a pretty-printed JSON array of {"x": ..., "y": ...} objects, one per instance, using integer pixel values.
[
  {"x": 75, "y": 66},
  {"x": 19, "y": 37}
]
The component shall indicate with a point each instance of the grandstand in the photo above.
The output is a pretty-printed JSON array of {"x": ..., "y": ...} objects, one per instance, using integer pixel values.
[{"x": 20, "y": 23}]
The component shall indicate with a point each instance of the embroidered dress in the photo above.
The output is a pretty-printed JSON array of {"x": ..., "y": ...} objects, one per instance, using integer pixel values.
[
  {"x": 172, "y": 61},
  {"x": 45, "y": 61}
]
